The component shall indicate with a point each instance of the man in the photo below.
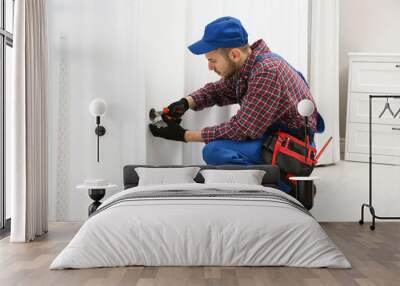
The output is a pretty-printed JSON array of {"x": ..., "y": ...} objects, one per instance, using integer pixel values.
[{"x": 265, "y": 86}]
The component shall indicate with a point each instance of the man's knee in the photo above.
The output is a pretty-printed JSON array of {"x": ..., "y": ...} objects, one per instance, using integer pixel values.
[
  {"x": 210, "y": 152},
  {"x": 223, "y": 152}
]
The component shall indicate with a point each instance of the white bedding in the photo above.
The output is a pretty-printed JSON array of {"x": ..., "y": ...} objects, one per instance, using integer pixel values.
[{"x": 200, "y": 231}]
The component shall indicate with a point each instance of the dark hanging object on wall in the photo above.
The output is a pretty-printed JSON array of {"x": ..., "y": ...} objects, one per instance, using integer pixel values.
[{"x": 97, "y": 108}]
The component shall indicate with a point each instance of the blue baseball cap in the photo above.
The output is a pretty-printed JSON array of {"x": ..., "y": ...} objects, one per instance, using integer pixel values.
[{"x": 225, "y": 32}]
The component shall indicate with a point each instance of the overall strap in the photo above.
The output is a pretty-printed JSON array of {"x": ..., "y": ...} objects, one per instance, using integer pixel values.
[
  {"x": 275, "y": 55},
  {"x": 320, "y": 120}
]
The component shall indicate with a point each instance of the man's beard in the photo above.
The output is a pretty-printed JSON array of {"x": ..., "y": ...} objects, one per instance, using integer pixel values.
[{"x": 231, "y": 71}]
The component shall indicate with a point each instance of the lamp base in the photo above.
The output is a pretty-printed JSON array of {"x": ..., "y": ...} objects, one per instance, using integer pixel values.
[
  {"x": 96, "y": 195},
  {"x": 100, "y": 130}
]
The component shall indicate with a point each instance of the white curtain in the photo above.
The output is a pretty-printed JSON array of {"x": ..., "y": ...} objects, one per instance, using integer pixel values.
[
  {"x": 27, "y": 122},
  {"x": 134, "y": 55},
  {"x": 324, "y": 73}
]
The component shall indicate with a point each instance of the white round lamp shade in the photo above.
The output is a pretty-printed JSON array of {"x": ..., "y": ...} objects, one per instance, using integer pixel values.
[
  {"x": 305, "y": 107},
  {"x": 97, "y": 107}
]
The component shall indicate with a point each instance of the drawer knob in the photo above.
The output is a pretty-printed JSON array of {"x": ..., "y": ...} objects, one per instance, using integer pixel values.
[
  {"x": 394, "y": 128},
  {"x": 397, "y": 65}
]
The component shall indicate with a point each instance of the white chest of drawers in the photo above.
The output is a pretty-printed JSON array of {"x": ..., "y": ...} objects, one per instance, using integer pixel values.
[{"x": 373, "y": 74}]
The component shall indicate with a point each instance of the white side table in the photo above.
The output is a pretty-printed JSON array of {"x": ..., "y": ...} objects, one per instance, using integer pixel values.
[
  {"x": 96, "y": 193},
  {"x": 305, "y": 190}
]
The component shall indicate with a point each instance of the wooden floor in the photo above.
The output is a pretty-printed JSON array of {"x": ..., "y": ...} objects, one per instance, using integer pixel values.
[{"x": 374, "y": 255}]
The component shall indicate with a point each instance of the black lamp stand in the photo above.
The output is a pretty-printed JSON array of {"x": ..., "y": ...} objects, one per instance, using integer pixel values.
[
  {"x": 306, "y": 129},
  {"x": 100, "y": 131}
]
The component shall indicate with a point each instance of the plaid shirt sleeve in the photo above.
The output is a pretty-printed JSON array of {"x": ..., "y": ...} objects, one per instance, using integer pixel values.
[
  {"x": 220, "y": 93},
  {"x": 259, "y": 109}
]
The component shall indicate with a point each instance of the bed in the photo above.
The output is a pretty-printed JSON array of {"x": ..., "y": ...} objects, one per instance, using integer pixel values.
[{"x": 201, "y": 224}]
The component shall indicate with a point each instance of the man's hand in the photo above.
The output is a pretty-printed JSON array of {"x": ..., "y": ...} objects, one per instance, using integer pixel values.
[
  {"x": 178, "y": 108},
  {"x": 173, "y": 131}
]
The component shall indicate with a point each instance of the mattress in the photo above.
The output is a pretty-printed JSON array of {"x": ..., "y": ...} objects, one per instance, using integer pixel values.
[{"x": 201, "y": 225}]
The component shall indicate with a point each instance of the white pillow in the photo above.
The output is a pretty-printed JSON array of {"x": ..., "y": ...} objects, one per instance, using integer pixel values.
[
  {"x": 164, "y": 176},
  {"x": 248, "y": 177}
]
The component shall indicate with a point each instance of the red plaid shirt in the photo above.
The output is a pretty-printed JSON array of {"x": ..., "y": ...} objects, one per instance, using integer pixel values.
[{"x": 267, "y": 91}]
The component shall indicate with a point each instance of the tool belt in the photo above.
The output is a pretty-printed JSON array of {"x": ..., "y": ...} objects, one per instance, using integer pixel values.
[{"x": 292, "y": 155}]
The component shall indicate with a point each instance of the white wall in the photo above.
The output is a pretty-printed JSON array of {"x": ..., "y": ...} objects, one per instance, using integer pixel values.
[
  {"x": 133, "y": 54},
  {"x": 90, "y": 56},
  {"x": 365, "y": 26}
]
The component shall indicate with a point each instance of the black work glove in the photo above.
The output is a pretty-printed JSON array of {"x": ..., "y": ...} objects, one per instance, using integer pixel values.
[
  {"x": 173, "y": 131},
  {"x": 178, "y": 108}
]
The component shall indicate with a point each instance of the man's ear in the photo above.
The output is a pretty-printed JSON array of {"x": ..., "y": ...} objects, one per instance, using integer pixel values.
[{"x": 235, "y": 55}]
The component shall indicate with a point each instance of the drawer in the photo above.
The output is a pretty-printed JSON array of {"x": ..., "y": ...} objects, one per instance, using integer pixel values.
[
  {"x": 375, "y": 77},
  {"x": 380, "y": 159},
  {"x": 359, "y": 109},
  {"x": 385, "y": 140}
]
